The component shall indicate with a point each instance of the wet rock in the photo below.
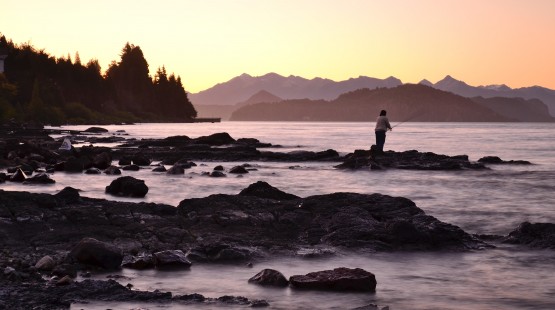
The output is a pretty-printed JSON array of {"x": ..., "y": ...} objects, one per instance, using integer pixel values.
[
  {"x": 45, "y": 263},
  {"x": 93, "y": 171},
  {"x": 219, "y": 168},
  {"x": 141, "y": 160},
  {"x": 3, "y": 177},
  {"x": 131, "y": 168},
  {"x": 97, "y": 253},
  {"x": 41, "y": 178},
  {"x": 160, "y": 168},
  {"x": 127, "y": 186},
  {"x": 75, "y": 164},
  {"x": 66, "y": 280},
  {"x": 171, "y": 259},
  {"x": 112, "y": 170},
  {"x": 217, "y": 139},
  {"x": 125, "y": 161},
  {"x": 141, "y": 262},
  {"x": 497, "y": 160},
  {"x": 338, "y": 279},
  {"x": 19, "y": 176},
  {"x": 102, "y": 160},
  {"x": 96, "y": 130},
  {"x": 536, "y": 235},
  {"x": 176, "y": 169},
  {"x": 68, "y": 195},
  {"x": 269, "y": 277},
  {"x": 238, "y": 170},
  {"x": 217, "y": 174},
  {"x": 409, "y": 160},
  {"x": 264, "y": 190}
]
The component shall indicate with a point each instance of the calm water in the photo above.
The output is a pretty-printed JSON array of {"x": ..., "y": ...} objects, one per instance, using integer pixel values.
[{"x": 492, "y": 202}]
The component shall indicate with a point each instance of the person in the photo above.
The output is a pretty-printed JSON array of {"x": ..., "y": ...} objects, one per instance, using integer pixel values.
[{"x": 382, "y": 125}]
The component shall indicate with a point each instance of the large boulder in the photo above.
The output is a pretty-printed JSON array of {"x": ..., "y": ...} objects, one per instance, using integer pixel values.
[
  {"x": 97, "y": 253},
  {"x": 238, "y": 170},
  {"x": 338, "y": 279},
  {"x": 269, "y": 277},
  {"x": 171, "y": 259},
  {"x": 19, "y": 176},
  {"x": 127, "y": 186},
  {"x": 41, "y": 178}
]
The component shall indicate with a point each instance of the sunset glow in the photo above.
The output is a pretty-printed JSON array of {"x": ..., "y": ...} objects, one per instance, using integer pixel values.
[{"x": 210, "y": 41}]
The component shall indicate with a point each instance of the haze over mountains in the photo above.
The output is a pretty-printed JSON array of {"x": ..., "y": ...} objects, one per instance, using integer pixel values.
[{"x": 224, "y": 98}]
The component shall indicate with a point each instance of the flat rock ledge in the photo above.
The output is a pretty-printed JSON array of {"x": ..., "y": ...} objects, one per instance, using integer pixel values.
[{"x": 408, "y": 160}]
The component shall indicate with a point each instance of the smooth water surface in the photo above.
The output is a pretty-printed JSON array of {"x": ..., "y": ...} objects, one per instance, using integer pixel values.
[{"x": 484, "y": 202}]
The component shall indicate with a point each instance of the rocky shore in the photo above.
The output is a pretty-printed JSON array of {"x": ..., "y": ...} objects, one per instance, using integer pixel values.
[{"x": 49, "y": 240}]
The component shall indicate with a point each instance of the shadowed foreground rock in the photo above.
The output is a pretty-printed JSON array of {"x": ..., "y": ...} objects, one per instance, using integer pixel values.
[{"x": 338, "y": 279}]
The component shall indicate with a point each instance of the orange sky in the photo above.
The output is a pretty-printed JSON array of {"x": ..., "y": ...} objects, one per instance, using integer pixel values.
[{"x": 210, "y": 41}]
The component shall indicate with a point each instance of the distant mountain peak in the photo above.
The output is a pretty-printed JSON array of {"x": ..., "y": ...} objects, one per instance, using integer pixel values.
[
  {"x": 426, "y": 82},
  {"x": 261, "y": 96}
]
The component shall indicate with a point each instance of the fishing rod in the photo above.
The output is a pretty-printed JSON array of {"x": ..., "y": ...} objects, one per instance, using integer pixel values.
[{"x": 408, "y": 119}]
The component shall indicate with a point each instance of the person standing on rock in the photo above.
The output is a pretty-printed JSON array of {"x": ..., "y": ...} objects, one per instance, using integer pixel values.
[{"x": 382, "y": 125}]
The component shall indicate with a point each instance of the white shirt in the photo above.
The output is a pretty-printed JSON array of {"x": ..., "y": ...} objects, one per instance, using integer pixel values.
[{"x": 382, "y": 123}]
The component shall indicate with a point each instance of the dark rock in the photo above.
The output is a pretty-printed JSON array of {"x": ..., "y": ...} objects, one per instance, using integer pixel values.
[
  {"x": 140, "y": 262},
  {"x": 269, "y": 277},
  {"x": 171, "y": 259},
  {"x": 97, "y": 253},
  {"x": 127, "y": 186},
  {"x": 75, "y": 164},
  {"x": 338, "y": 279},
  {"x": 96, "y": 130},
  {"x": 41, "y": 178},
  {"x": 69, "y": 195},
  {"x": 238, "y": 170},
  {"x": 112, "y": 170},
  {"x": 221, "y": 138},
  {"x": 409, "y": 160},
  {"x": 219, "y": 168},
  {"x": 102, "y": 160},
  {"x": 160, "y": 168},
  {"x": 217, "y": 174},
  {"x": 19, "y": 176},
  {"x": 3, "y": 177},
  {"x": 45, "y": 263},
  {"x": 125, "y": 161},
  {"x": 264, "y": 190},
  {"x": 141, "y": 160},
  {"x": 176, "y": 169},
  {"x": 93, "y": 171},
  {"x": 131, "y": 168},
  {"x": 497, "y": 160},
  {"x": 536, "y": 235},
  {"x": 66, "y": 280}
]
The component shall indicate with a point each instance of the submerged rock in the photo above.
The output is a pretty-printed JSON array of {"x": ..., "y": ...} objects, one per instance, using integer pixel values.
[
  {"x": 497, "y": 160},
  {"x": 338, "y": 279}
]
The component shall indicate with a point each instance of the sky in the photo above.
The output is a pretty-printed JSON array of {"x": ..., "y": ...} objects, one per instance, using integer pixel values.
[{"x": 206, "y": 42}]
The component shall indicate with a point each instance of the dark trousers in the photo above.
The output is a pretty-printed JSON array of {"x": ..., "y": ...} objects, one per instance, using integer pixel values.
[{"x": 380, "y": 139}]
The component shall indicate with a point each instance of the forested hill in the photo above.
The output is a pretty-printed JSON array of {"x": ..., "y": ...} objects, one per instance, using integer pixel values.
[
  {"x": 40, "y": 88},
  {"x": 405, "y": 102}
]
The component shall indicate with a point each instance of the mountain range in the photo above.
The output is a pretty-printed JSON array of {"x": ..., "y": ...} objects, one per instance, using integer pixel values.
[
  {"x": 223, "y": 98},
  {"x": 414, "y": 102}
]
